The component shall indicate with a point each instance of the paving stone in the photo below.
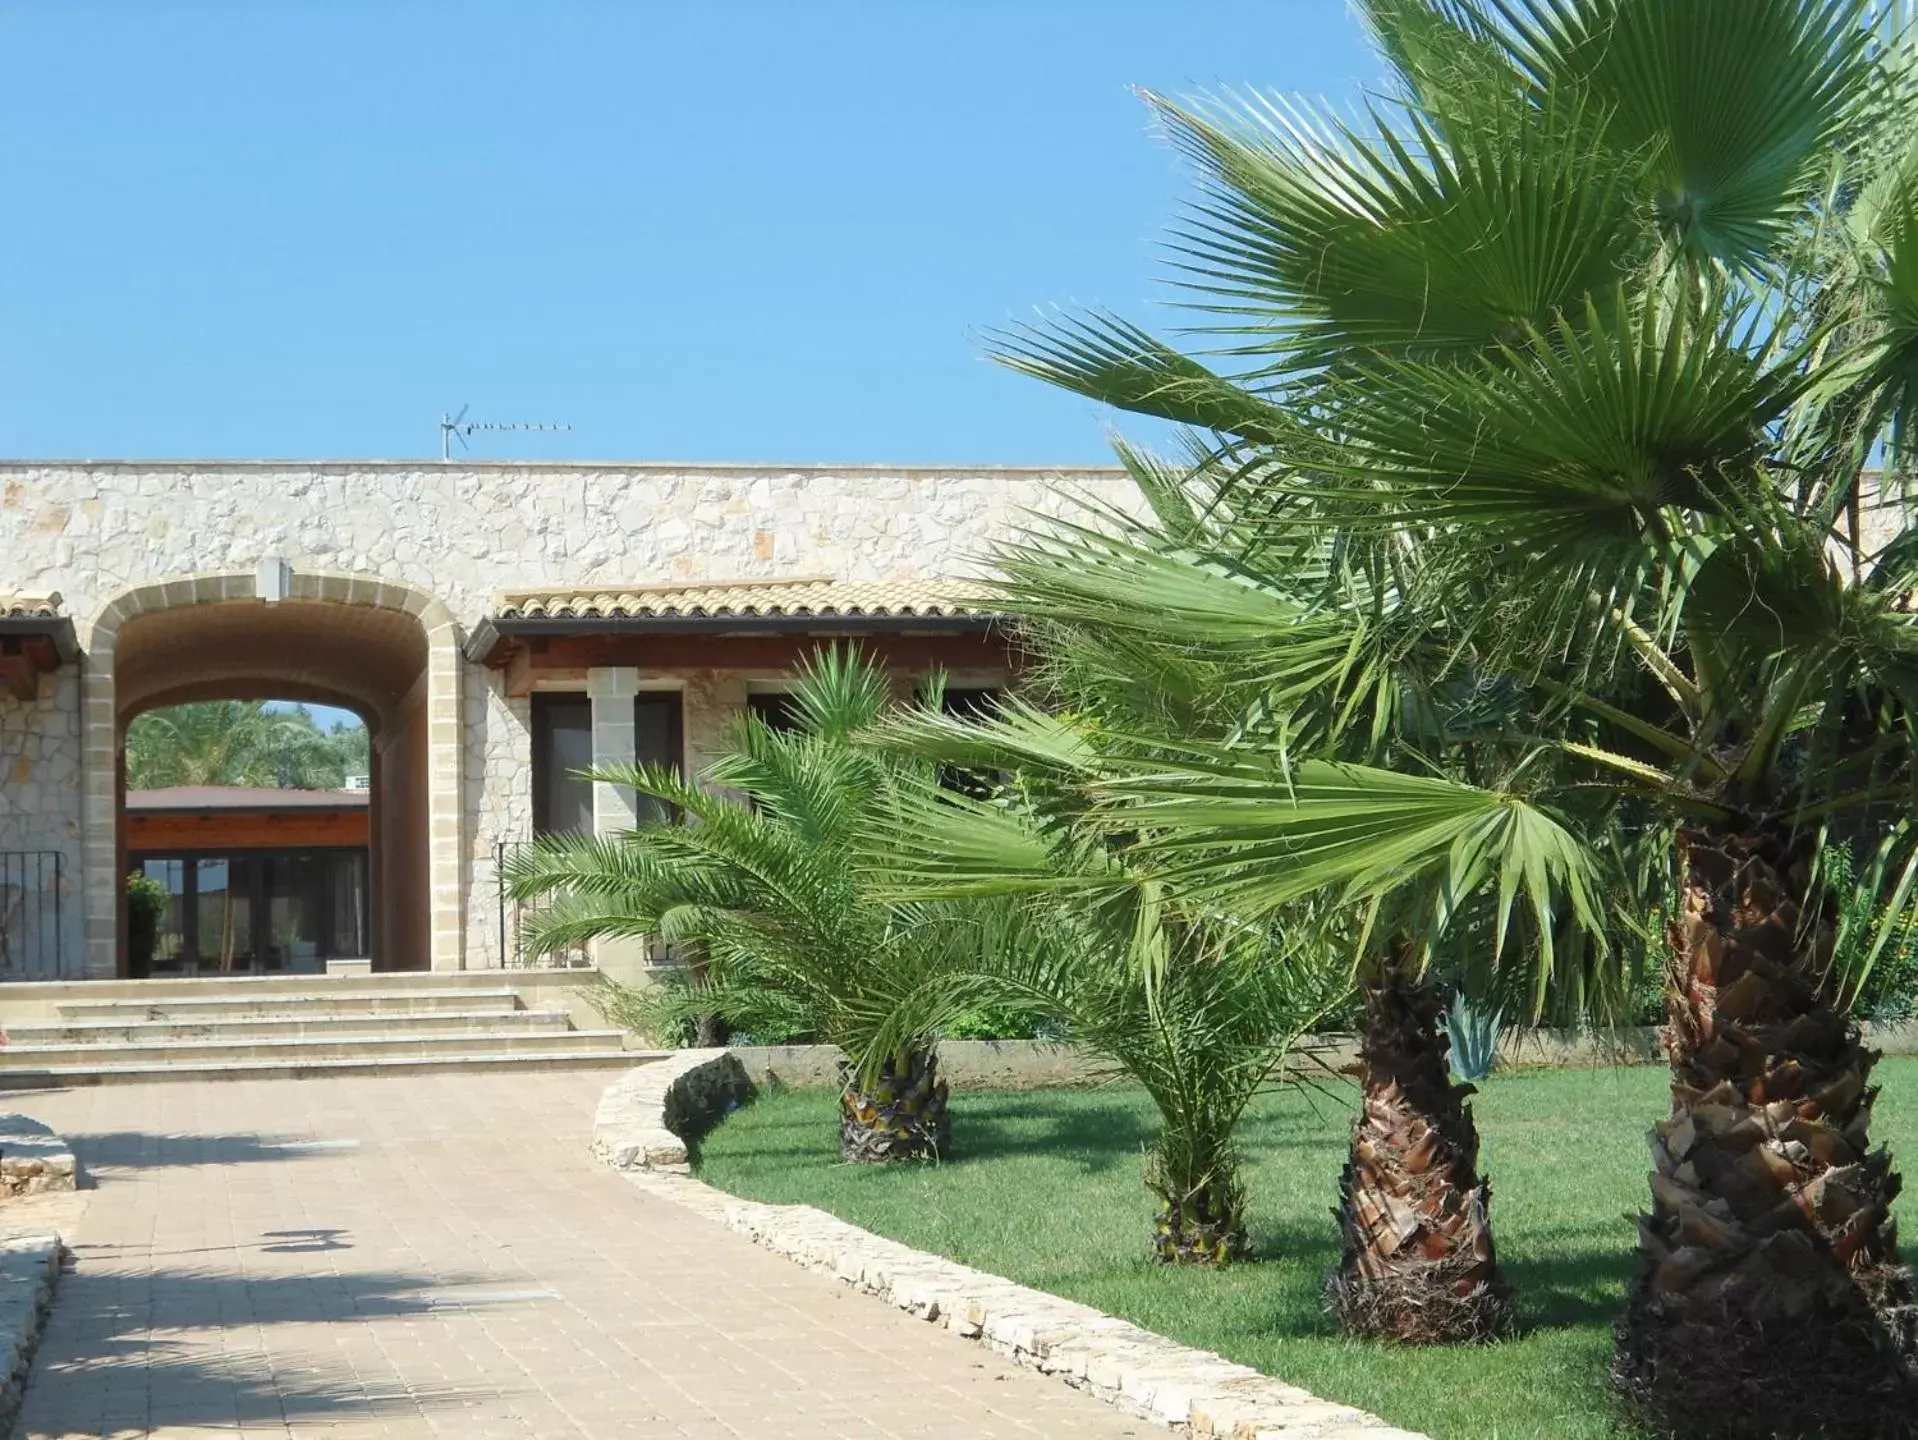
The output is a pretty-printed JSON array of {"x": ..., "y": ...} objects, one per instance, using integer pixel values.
[{"x": 464, "y": 1269}]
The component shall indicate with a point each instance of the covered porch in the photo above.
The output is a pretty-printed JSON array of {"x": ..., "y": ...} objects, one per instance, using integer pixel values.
[{"x": 657, "y": 674}]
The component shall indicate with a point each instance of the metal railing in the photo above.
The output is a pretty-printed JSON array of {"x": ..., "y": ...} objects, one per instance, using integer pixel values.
[
  {"x": 513, "y": 915},
  {"x": 31, "y": 886}
]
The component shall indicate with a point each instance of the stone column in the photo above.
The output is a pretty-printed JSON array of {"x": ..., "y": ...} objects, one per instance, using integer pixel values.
[
  {"x": 445, "y": 797},
  {"x": 615, "y": 807},
  {"x": 713, "y": 700}
]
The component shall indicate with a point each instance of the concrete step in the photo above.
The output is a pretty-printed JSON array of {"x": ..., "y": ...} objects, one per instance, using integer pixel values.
[
  {"x": 271, "y": 1027},
  {"x": 309, "y": 1002},
  {"x": 57, "y": 1076},
  {"x": 299, "y": 1048},
  {"x": 27, "y": 992}
]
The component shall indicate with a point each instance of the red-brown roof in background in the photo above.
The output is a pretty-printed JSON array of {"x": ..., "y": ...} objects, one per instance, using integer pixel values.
[{"x": 242, "y": 797}]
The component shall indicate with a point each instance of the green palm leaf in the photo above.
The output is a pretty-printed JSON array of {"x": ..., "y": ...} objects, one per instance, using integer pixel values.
[
  {"x": 1254, "y": 835},
  {"x": 1735, "y": 103},
  {"x": 1584, "y": 437},
  {"x": 1117, "y": 363},
  {"x": 1329, "y": 245}
]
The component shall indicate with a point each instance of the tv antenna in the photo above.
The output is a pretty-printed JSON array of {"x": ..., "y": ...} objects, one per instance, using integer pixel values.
[{"x": 458, "y": 427}]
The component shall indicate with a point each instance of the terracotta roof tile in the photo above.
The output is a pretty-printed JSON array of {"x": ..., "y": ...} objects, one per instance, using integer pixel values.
[
  {"x": 747, "y": 599},
  {"x": 29, "y": 607}
]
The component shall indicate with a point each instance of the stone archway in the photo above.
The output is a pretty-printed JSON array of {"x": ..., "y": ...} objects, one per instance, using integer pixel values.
[{"x": 386, "y": 650}]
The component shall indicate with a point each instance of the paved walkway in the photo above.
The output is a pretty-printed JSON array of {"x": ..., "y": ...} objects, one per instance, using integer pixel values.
[{"x": 441, "y": 1257}]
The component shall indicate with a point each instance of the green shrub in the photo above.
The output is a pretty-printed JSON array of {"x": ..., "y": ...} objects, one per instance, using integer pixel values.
[
  {"x": 147, "y": 900},
  {"x": 990, "y": 1023},
  {"x": 1884, "y": 987},
  {"x": 1890, "y": 991}
]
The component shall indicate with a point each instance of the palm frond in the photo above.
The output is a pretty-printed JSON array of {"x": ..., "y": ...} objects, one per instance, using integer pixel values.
[
  {"x": 1735, "y": 102},
  {"x": 1254, "y": 835},
  {"x": 1118, "y": 364},
  {"x": 1319, "y": 245}
]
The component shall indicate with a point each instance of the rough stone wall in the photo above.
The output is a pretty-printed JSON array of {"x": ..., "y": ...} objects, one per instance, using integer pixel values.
[
  {"x": 40, "y": 813},
  {"x": 498, "y": 804},
  {"x": 459, "y": 532}
]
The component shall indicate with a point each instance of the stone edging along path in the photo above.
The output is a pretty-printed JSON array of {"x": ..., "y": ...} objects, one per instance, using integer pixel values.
[
  {"x": 29, "y": 1269},
  {"x": 33, "y": 1160},
  {"x": 648, "y": 1118}
]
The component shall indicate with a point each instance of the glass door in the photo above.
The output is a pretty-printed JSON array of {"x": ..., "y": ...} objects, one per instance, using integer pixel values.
[
  {"x": 164, "y": 947},
  {"x": 224, "y": 908},
  {"x": 287, "y": 911},
  {"x": 296, "y": 912}
]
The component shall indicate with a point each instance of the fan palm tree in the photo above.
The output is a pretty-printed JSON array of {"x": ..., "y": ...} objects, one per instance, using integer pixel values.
[
  {"x": 1609, "y": 314},
  {"x": 793, "y": 929}
]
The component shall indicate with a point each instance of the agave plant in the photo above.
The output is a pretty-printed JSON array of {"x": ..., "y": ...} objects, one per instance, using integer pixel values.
[
  {"x": 1472, "y": 1032},
  {"x": 1603, "y": 319},
  {"x": 791, "y": 925}
]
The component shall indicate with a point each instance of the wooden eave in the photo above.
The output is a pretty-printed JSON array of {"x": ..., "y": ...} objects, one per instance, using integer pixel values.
[
  {"x": 495, "y": 639},
  {"x": 32, "y": 646}
]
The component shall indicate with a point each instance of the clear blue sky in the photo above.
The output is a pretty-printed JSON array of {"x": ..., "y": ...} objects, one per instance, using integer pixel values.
[{"x": 696, "y": 231}]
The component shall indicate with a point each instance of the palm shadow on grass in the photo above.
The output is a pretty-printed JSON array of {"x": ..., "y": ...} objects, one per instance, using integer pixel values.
[
  {"x": 1093, "y": 1139},
  {"x": 1044, "y": 1187}
]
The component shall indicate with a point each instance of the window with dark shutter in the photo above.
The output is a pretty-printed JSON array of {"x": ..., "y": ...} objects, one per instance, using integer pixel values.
[
  {"x": 562, "y": 747},
  {"x": 658, "y": 739}
]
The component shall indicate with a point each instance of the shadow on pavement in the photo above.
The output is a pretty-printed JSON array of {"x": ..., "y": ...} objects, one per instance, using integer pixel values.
[
  {"x": 178, "y": 1347},
  {"x": 145, "y": 1150}
]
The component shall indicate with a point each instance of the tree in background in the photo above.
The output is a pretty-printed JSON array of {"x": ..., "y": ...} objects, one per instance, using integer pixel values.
[
  {"x": 354, "y": 746},
  {"x": 241, "y": 742}
]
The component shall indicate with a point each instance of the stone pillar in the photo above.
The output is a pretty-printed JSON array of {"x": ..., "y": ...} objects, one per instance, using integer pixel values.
[
  {"x": 615, "y": 807},
  {"x": 713, "y": 700},
  {"x": 103, "y": 889},
  {"x": 445, "y": 798}
]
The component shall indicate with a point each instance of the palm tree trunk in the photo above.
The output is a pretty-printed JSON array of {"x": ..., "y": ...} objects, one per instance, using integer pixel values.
[
  {"x": 1770, "y": 1300},
  {"x": 900, "y": 1116},
  {"x": 1201, "y": 1219},
  {"x": 1418, "y": 1265},
  {"x": 710, "y": 1029}
]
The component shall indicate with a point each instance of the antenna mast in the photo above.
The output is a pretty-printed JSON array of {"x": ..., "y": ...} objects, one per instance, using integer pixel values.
[{"x": 458, "y": 427}]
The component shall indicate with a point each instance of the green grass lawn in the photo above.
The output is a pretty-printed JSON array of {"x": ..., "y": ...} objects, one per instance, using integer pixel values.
[{"x": 1044, "y": 1188}]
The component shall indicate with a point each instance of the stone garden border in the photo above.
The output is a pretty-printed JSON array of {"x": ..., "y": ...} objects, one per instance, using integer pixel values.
[
  {"x": 29, "y": 1269},
  {"x": 33, "y": 1160},
  {"x": 647, "y": 1119},
  {"x": 1039, "y": 1064}
]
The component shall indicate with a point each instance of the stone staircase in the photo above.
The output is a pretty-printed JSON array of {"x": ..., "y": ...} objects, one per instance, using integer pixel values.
[{"x": 300, "y": 1027}]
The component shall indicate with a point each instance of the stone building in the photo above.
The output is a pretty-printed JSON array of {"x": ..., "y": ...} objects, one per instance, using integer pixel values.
[{"x": 496, "y": 625}]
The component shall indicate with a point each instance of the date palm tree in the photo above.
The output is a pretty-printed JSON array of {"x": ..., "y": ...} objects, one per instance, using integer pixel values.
[
  {"x": 1609, "y": 315},
  {"x": 762, "y": 869},
  {"x": 1199, "y": 1008}
]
